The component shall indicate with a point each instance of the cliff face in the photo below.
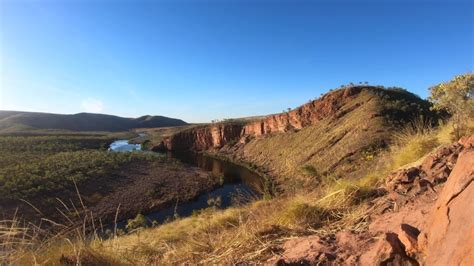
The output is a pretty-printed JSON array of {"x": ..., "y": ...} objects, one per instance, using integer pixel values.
[
  {"x": 303, "y": 116},
  {"x": 338, "y": 134},
  {"x": 216, "y": 136},
  {"x": 203, "y": 138}
]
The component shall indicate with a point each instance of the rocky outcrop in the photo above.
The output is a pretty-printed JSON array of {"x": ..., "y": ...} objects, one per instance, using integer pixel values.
[
  {"x": 303, "y": 116},
  {"x": 316, "y": 250},
  {"x": 429, "y": 226},
  {"x": 203, "y": 137},
  {"x": 347, "y": 113},
  {"x": 217, "y": 135},
  {"x": 434, "y": 170},
  {"x": 448, "y": 236},
  {"x": 335, "y": 104}
]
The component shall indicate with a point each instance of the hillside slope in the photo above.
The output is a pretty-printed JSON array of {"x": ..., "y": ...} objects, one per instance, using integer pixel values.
[
  {"x": 338, "y": 134},
  {"x": 425, "y": 218},
  {"x": 81, "y": 121}
]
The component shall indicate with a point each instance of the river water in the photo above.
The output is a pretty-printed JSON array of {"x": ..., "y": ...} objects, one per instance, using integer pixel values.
[
  {"x": 240, "y": 185},
  {"x": 123, "y": 146}
]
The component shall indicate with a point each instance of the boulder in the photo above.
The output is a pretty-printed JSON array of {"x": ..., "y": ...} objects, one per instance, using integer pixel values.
[
  {"x": 388, "y": 250},
  {"x": 434, "y": 170},
  {"x": 408, "y": 236},
  {"x": 306, "y": 250},
  {"x": 448, "y": 237}
]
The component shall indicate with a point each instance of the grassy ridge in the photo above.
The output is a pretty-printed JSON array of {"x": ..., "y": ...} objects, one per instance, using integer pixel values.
[
  {"x": 251, "y": 233},
  {"x": 345, "y": 146}
]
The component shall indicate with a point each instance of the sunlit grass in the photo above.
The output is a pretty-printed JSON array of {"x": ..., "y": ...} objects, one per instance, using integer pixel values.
[{"x": 250, "y": 232}]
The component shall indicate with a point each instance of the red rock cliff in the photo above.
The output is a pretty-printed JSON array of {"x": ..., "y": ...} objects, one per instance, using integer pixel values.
[
  {"x": 203, "y": 138},
  {"x": 217, "y": 135},
  {"x": 303, "y": 116}
]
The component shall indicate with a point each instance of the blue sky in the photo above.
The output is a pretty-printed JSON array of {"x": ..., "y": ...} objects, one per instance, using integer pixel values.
[{"x": 201, "y": 60}]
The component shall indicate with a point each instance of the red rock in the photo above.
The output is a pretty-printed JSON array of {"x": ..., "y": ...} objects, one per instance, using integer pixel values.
[
  {"x": 305, "y": 250},
  {"x": 467, "y": 141},
  {"x": 218, "y": 135},
  {"x": 388, "y": 250},
  {"x": 449, "y": 238},
  {"x": 203, "y": 138},
  {"x": 303, "y": 116},
  {"x": 408, "y": 235},
  {"x": 434, "y": 228},
  {"x": 434, "y": 169}
]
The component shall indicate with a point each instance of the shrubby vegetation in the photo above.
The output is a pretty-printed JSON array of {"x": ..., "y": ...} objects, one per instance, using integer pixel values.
[
  {"x": 36, "y": 165},
  {"x": 457, "y": 98},
  {"x": 16, "y": 149},
  {"x": 247, "y": 233},
  {"x": 60, "y": 171}
]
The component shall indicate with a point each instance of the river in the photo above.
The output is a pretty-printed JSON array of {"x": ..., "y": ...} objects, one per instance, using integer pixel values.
[{"x": 240, "y": 185}]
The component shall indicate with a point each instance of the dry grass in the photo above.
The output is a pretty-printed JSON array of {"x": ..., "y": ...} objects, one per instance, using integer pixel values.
[
  {"x": 412, "y": 143},
  {"x": 51, "y": 242},
  {"x": 247, "y": 233},
  {"x": 331, "y": 147}
]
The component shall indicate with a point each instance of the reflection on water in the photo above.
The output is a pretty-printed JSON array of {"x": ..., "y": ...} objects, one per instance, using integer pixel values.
[
  {"x": 123, "y": 146},
  {"x": 239, "y": 183},
  {"x": 240, "y": 186},
  {"x": 231, "y": 172}
]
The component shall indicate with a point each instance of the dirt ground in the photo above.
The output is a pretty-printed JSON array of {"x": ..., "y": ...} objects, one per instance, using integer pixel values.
[{"x": 140, "y": 187}]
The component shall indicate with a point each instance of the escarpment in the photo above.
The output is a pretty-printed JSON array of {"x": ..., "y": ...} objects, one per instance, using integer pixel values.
[
  {"x": 340, "y": 133},
  {"x": 305, "y": 115},
  {"x": 203, "y": 137}
]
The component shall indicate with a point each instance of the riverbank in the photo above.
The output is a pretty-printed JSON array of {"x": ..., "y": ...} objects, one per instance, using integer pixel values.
[
  {"x": 117, "y": 186},
  {"x": 148, "y": 187},
  {"x": 137, "y": 187},
  {"x": 61, "y": 176}
]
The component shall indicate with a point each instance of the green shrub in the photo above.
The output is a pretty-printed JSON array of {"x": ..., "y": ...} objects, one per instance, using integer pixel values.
[
  {"x": 311, "y": 171},
  {"x": 139, "y": 221},
  {"x": 303, "y": 214}
]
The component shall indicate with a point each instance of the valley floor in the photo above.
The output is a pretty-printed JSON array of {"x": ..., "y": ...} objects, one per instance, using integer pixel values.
[{"x": 110, "y": 186}]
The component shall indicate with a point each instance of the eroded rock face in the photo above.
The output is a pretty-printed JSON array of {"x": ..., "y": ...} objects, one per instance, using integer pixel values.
[
  {"x": 305, "y": 115},
  {"x": 448, "y": 236},
  {"x": 216, "y": 136},
  {"x": 430, "y": 227},
  {"x": 203, "y": 138},
  {"x": 434, "y": 170}
]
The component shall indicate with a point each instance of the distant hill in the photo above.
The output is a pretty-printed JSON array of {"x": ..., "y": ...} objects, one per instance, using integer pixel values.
[{"x": 11, "y": 120}]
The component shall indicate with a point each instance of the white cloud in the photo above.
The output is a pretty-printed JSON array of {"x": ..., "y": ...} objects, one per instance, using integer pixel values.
[{"x": 92, "y": 105}]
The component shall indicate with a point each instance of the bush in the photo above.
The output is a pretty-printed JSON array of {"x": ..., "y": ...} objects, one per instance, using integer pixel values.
[
  {"x": 138, "y": 222},
  {"x": 412, "y": 144},
  {"x": 303, "y": 214},
  {"x": 311, "y": 171},
  {"x": 456, "y": 98}
]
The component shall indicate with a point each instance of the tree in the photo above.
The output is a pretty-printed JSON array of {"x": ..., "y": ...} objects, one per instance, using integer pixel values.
[{"x": 456, "y": 98}]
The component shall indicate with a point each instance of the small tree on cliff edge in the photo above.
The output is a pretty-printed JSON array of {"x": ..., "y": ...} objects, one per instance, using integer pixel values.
[{"x": 456, "y": 97}]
